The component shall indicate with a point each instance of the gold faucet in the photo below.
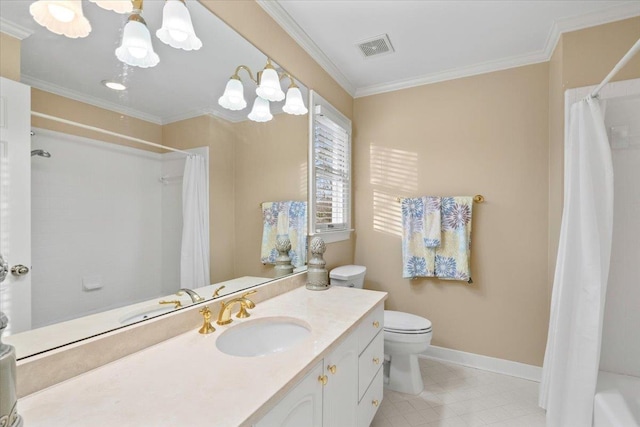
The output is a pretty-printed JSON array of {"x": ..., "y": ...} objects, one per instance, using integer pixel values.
[
  {"x": 207, "y": 327},
  {"x": 177, "y": 304},
  {"x": 216, "y": 294},
  {"x": 192, "y": 294},
  {"x": 224, "y": 316}
]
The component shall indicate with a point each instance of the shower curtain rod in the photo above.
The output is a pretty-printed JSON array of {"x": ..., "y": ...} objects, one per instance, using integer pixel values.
[
  {"x": 634, "y": 49},
  {"x": 108, "y": 132}
]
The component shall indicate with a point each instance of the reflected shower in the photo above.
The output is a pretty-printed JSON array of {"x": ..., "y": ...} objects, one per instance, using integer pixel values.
[{"x": 40, "y": 153}]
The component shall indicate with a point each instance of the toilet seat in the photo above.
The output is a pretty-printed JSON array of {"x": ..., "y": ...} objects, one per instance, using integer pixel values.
[{"x": 397, "y": 322}]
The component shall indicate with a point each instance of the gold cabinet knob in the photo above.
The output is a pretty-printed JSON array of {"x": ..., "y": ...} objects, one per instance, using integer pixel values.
[
  {"x": 323, "y": 379},
  {"x": 376, "y": 324},
  {"x": 375, "y": 402},
  {"x": 376, "y": 360},
  {"x": 332, "y": 368}
]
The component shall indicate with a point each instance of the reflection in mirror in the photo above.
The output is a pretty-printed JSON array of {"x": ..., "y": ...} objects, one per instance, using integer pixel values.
[{"x": 111, "y": 219}]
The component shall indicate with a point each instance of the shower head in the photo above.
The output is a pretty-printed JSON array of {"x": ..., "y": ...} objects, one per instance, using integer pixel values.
[{"x": 40, "y": 153}]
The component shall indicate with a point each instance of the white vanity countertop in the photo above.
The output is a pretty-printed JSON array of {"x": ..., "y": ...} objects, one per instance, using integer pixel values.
[{"x": 187, "y": 381}]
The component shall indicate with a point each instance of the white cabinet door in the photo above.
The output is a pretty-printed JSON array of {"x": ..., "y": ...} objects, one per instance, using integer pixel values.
[
  {"x": 340, "y": 395},
  {"x": 15, "y": 202},
  {"x": 301, "y": 407}
]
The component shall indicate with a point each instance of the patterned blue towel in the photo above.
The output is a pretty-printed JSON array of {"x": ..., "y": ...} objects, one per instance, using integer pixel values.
[
  {"x": 450, "y": 260},
  {"x": 284, "y": 218}
]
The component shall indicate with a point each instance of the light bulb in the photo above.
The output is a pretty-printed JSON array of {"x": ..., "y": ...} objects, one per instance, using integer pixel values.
[
  {"x": 178, "y": 35},
  {"x": 60, "y": 12}
]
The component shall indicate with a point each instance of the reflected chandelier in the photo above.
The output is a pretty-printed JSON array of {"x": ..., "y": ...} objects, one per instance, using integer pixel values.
[
  {"x": 66, "y": 18},
  {"x": 268, "y": 90}
]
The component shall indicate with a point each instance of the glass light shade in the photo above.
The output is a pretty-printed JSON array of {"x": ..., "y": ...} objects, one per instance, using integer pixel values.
[
  {"x": 177, "y": 29},
  {"x": 269, "y": 88},
  {"x": 61, "y": 17},
  {"x": 233, "y": 97},
  {"x": 136, "y": 48},
  {"x": 294, "y": 104},
  {"x": 261, "y": 111},
  {"x": 118, "y": 6}
]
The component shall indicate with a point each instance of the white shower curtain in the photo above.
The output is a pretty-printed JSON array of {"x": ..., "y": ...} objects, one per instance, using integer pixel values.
[
  {"x": 194, "y": 256},
  {"x": 572, "y": 357}
]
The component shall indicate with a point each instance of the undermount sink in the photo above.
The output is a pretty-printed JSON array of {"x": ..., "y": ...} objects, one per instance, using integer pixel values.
[
  {"x": 145, "y": 313},
  {"x": 261, "y": 337}
]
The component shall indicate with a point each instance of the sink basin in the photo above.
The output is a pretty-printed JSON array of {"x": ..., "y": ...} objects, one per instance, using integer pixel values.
[
  {"x": 263, "y": 336},
  {"x": 145, "y": 313}
]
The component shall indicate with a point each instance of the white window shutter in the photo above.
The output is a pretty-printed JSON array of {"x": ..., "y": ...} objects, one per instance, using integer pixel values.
[{"x": 330, "y": 160}]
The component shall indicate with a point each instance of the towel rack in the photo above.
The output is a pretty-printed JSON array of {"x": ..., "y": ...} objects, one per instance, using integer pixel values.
[{"x": 478, "y": 198}]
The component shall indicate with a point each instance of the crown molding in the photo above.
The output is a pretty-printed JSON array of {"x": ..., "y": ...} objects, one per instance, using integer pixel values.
[
  {"x": 209, "y": 111},
  {"x": 452, "y": 74},
  {"x": 79, "y": 96},
  {"x": 282, "y": 17},
  {"x": 603, "y": 16},
  {"x": 610, "y": 14},
  {"x": 13, "y": 29}
]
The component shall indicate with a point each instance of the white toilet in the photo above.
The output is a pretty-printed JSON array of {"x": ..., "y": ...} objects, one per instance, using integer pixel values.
[{"x": 405, "y": 335}]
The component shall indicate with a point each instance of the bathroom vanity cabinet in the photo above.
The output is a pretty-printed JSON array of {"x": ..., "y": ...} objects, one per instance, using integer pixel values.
[{"x": 343, "y": 389}]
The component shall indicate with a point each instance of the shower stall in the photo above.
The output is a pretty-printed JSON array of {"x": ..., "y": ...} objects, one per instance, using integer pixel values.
[{"x": 106, "y": 225}]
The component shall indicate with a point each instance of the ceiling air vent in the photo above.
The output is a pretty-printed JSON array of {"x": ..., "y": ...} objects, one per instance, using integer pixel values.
[{"x": 379, "y": 45}]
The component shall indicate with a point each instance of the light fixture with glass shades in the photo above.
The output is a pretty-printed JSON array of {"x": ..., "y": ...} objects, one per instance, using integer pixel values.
[
  {"x": 118, "y": 6},
  {"x": 136, "y": 48},
  {"x": 177, "y": 28},
  {"x": 261, "y": 111},
  {"x": 268, "y": 90},
  {"x": 61, "y": 17},
  {"x": 65, "y": 17}
]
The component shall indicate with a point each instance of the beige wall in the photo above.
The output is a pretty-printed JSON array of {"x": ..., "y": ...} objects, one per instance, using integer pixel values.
[
  {"x": 271, "y": 166},
  {"x": 9, "y": 57},
  {"x": 69, "y": 109},
  {"x": 556, "y": 155},
  {"x": 219, "y": 136},
  {"x": 581, "y": 58},
  {"x": 479, "y": 135}
]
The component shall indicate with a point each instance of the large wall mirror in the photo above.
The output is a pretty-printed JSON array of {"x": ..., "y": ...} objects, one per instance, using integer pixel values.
[{"x": 107, "y": 212}]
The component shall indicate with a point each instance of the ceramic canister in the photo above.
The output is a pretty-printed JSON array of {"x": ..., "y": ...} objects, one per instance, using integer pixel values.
[{"x": 8, "y": 400}]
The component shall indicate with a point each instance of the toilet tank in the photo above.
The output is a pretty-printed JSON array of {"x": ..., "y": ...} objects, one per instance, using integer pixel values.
[{"x": 351, "y": 276}]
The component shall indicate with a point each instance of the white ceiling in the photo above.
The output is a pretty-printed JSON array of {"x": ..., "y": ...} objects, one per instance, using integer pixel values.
[
  {"x": 184, "y": 84},
  {"x": 433, "y": 40}
]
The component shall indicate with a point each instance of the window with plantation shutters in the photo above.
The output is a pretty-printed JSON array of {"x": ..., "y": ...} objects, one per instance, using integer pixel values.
[{"x": 330, "y": 158}]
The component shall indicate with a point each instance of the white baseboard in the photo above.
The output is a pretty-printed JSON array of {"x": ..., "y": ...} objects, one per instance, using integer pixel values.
[{"x": 500, "y": 366}]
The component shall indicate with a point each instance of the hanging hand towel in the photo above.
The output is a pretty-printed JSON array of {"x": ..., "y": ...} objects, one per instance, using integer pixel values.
[
  {"x": 288, "y": 218},
  {"x": 432, "y": 232},
  {"x": 452, "y": 257},
  {"x": 417, "y": 259}
]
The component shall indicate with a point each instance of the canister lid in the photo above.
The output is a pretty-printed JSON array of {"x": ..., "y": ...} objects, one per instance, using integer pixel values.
[{"x": 347, "y": 272}]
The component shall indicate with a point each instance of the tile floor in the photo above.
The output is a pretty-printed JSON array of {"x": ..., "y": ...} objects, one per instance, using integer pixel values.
[{"x": 457, "y": 396}]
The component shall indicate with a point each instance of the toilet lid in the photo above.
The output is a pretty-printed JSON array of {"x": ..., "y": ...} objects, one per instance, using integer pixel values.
[
  {"x": 397, "y": 321},
  {"x": 346, "y": 272}
]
